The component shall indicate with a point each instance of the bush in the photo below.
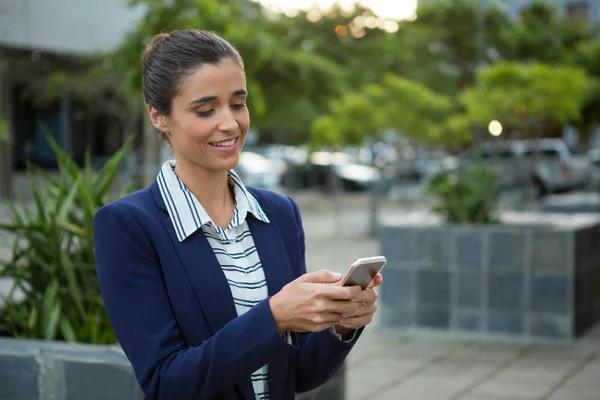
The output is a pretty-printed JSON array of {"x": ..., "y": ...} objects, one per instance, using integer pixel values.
[
  {"x": 53, "y": 254},
  {"x": 3, "y": 130},
  {"x": 467, "y": 196}
]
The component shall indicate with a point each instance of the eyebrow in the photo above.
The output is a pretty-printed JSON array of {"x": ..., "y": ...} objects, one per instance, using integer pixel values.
[{"x": 206, "y": 99}]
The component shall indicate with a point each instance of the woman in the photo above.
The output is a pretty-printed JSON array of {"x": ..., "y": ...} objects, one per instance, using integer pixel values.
[{"x": 204, "y": 279}]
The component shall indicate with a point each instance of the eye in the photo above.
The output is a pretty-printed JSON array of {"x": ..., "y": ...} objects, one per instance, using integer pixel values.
[
  {"x": 238, "y": 106},
  {"x": 207, "y": 113}
]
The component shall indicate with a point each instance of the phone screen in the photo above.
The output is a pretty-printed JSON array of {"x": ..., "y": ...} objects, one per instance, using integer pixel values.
[{"x": 363, "y": 274}]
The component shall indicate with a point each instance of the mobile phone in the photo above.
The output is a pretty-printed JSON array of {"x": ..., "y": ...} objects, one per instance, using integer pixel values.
[{"x": 363, "y": 271}]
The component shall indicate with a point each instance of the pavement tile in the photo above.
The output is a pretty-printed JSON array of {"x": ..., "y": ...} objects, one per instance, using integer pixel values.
[
  {"x": 489, "y": 396},
  {"x": 576, "y": 353},
  {"x": 423, "y": 388},
  {"x": 494, "y": 354},
  {"x": 574, "y": 394},
  {"x": 511, "y": 390},
  {"x": 365, "y": 380},
  {"x": 472, "y": 371},
  {"x": 586, "y": 379},
  {"x": 524, "y": 372}
]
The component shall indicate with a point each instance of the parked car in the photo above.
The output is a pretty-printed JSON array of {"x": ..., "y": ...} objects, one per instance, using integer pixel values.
[
  {"x": 548, "y": 164},
  {"x": 594, "y": 176},
  {"x": 259, "y": 171}
]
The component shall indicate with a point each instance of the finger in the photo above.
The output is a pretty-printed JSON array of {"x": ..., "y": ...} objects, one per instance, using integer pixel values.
[
  {"x": 342, "y": 307},
  {"x": 333, "y": 292},
  {"x": 323, "y": 276},
  {"x": 356, "y": 322},
  {"x": 329, "y": 317},
  {"x": 366, "y": 296},
  {"x": 362, "y": 311},
  {"x": 376, "y": 282}
]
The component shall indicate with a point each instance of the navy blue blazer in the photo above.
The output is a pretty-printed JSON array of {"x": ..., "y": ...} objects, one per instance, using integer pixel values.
[{"x": 172, "y": 311}]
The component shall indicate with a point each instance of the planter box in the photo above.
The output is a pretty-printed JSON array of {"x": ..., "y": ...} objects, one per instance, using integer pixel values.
[
  {"x": 37, "y": 370},
  {"x": 527, "y": 278}
]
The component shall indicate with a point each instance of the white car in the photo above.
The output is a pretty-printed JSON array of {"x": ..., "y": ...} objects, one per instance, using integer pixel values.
[
  {"x": 256, "y": 170},
  {"x": 546, "y": 163}
]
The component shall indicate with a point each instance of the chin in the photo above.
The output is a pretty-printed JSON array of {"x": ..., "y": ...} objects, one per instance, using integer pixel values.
[{"x": 231, "y": 163}]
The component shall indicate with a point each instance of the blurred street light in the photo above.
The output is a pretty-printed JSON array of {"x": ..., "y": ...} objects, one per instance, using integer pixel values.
[{"x": 495, "y": 128}]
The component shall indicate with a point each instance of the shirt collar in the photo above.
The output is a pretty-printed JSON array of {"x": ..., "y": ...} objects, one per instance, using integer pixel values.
[{"x": 186, "y": 212}]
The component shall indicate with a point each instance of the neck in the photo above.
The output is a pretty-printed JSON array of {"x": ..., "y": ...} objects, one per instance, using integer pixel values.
[{"x": 211, "y": 188}]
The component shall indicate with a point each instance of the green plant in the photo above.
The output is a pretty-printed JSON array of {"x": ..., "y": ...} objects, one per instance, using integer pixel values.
[
  {"x": 467, "y": 196},
  {"x": 3, "y": 130},
  {"x": 52, "y": 261}
]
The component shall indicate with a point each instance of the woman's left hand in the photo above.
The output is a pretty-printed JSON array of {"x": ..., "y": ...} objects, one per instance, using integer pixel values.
[{"x": 364, "y": 315}]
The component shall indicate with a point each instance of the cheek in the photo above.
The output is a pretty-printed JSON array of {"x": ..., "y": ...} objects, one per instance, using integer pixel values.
[
  {"x": 244, "y": 121},
  {"x": 196, "y": 130}
]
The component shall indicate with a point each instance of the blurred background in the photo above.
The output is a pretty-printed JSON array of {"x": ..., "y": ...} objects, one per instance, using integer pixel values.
[{"x": 477, "y": 120}]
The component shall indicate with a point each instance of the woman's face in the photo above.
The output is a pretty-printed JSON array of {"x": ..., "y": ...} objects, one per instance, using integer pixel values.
[{"x": 209, "y": 119}]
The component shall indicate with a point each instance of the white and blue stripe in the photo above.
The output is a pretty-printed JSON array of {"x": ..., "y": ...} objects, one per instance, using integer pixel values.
[{"x": 234, "y": 246}]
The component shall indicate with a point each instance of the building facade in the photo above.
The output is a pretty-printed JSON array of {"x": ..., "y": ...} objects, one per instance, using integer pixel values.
[
  {"x": 36, "y": 38},
  {"x": 583, "y": 10}
]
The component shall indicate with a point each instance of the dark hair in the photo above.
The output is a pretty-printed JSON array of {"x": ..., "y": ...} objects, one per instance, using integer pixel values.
[{"x": 169, "y": 57}]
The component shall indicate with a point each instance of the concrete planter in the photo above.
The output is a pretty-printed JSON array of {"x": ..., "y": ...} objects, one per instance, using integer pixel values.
[
  {"x": 37, "y": 370},
  {"x": 533, "y": 277}
]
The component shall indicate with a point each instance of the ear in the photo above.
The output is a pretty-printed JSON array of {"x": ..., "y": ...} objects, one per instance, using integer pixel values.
[{"x": 159, "y": 120}]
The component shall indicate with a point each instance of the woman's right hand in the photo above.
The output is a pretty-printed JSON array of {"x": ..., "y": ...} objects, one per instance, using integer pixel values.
[{"x": 311, "y": 303}]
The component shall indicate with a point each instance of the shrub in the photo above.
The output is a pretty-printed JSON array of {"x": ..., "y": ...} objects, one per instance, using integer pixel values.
[
  {"x": 467, "y": 196},
  {"x": 52, "y": 262}
]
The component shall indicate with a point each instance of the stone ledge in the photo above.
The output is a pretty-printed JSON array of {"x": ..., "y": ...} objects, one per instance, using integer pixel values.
[{"x": 39, "y": 370}]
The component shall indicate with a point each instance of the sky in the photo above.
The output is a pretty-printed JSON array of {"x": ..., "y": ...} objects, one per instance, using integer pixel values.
[{"x": 394, "y": 9}]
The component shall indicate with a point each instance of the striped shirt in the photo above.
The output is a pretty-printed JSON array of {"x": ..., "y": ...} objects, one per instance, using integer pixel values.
[{"x": 234, "y": 247}]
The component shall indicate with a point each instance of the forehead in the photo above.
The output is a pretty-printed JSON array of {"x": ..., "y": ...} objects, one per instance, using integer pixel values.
[{"x": 219, "y": 79}]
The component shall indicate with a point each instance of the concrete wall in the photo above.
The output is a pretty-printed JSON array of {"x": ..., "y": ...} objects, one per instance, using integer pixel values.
[
  {"x": 36, "y": 370},
  {"x": 66, "y": 26}
]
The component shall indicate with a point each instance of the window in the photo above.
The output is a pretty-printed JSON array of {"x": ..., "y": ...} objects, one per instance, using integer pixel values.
[{"x": 578, "y": 11}]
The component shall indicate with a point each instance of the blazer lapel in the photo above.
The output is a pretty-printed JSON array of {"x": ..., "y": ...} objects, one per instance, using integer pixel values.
[
  {"x": 206, "y": 277},
  {"x": 278, "y": 273}
]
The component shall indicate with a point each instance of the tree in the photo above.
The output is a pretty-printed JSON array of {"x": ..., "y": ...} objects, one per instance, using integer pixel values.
[
  {"x": 542, "y": 35},
  {"x": 395, "y": 103},
  {"x": 3, "y": 130},
  {"x": 527, "y": 97},
  {"x": 445, "y": 38},
  {"x": 588, "y": 56}
]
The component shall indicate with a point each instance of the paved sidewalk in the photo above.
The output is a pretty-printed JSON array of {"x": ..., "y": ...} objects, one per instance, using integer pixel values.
[{"x": 393, "y": 366}]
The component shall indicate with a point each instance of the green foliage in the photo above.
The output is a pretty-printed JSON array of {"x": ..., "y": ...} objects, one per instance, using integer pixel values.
[
  {"x": 53, "y": 254},
  {"x": 524, "y": 95},
  {"x": 446, "y": 34},
  {"x": 467, "y": 196},
  {"x": 396, "y": 103},
  {"x": 588, "y": 57},
  {"x": 544, "y": 36},
  {"x": 3, "y": 130}
]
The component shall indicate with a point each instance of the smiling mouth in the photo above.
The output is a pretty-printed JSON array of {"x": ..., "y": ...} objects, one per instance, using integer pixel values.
[{"x": 225, "y": 143}]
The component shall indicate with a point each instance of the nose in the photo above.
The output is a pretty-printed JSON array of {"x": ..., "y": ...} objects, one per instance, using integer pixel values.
[{"x": 228, "y": 122}]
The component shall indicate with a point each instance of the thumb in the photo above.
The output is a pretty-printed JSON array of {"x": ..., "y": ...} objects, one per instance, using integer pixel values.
[{"x": 323, "y": 276}]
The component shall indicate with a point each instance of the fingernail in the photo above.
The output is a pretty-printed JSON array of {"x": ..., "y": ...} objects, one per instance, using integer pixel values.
[{"x": 336, "y": 275}]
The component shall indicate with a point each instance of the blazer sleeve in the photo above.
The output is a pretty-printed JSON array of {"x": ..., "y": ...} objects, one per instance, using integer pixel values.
[
  {"x": 320, "y": 354},
  {"x": 138, "y": 306}
]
